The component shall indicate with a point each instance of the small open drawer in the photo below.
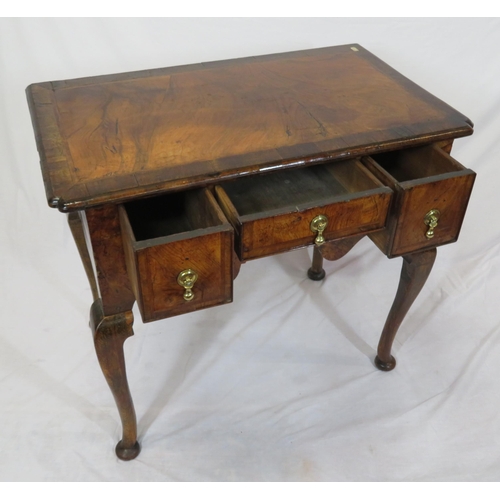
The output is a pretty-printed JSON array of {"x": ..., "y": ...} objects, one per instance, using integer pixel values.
[
  {"x": 172, "y": 240},
  {"x": 273, "y": 213},
  {"x": 432, "y": 192}
]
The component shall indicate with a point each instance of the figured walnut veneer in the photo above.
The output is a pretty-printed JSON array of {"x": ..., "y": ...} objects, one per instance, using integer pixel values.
[{"x": 120, "y": 136}]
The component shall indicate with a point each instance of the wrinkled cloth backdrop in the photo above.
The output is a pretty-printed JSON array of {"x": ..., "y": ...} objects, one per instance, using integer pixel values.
[{"x": 280, "y": 384}]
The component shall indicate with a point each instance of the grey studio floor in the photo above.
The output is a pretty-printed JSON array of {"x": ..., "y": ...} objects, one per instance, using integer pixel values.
[{"x": 279, "y": 385}]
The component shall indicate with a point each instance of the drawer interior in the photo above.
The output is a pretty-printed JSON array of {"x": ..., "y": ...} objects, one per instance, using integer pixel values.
[
  {"x": 301, "y": 187},
  {"x": 416, "y": 163},
  {"x": 173, "y": 214}
]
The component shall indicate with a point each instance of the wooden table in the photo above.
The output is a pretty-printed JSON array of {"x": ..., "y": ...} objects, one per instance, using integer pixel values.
[{"x": 171, "y": 178}]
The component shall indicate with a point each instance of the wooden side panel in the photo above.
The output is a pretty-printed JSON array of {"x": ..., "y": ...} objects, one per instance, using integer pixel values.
[
  {"x": 210, "y": 256},
  {"x": 227, "y": 207},
  {"x": 272, "y": 235},
  {"x": 128, "y": 239},
  {"x": 109, "y": 256}
]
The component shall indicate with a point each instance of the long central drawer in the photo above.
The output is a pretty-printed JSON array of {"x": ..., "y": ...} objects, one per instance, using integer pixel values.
[{"x": 273, "y": 213}]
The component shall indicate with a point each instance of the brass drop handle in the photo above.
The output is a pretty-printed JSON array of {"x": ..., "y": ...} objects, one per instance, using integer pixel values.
[
  {"x": 431, "y": 219},
  {"x": 187, "y": 279},
  {"x": 318, "y": 225}
]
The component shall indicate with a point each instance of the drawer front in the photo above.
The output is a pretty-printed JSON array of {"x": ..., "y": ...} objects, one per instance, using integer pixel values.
[
  {"x": 280, "y": 233},
  {"x": 432, "y": 191},
  {"x": 166, "y": 236},
  {"x": 449, "y": 197},
  {"x": 273, "y": 214},
  {"x": 159, "y": 267}
]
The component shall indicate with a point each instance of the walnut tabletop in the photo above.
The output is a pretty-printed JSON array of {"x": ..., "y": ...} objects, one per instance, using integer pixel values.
[{"x": 116, "y": 137}]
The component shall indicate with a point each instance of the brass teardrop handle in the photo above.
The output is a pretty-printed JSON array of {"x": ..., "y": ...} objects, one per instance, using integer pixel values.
[
  {"x": 318, "y": 225},
  {"x": 187, "y": 279},
  {"x": 431, "y": 219}
]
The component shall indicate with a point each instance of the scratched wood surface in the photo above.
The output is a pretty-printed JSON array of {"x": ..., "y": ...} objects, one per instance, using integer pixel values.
[{"x": 116, "y": 137}]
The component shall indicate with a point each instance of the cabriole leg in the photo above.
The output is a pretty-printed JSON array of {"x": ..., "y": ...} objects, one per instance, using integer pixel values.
[
  {"x": 111, "y": 317},
  {"x": 110, "y": 333},
  {"x": 414, "y": 274}
]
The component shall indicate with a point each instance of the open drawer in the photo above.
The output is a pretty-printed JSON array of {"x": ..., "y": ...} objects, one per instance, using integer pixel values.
[
  {"x": 179, "y": 251},
  {"x": 432, "y": 192},
  {"x": 272, "y": 213}
]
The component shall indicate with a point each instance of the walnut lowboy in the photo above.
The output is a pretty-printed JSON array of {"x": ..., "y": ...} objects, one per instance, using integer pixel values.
[{"x": 172, "y": 178}]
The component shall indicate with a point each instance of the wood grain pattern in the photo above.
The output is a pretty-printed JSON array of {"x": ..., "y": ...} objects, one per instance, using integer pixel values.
[
  {"x": 109, "y": 257},
  {"x": 210, "y": 256},
  {"x": 423, "y": 179},
  {"x": 154, "y": 264},
  {"x": 449, "y": 195},
  {"x": 272, "y": 214},
  {"x": 277, "y": 234},
  {"x": 116, "y": 137}
]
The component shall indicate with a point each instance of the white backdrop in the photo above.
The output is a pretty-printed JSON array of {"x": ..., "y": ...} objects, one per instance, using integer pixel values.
[{"x": 280, "y": 385}]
